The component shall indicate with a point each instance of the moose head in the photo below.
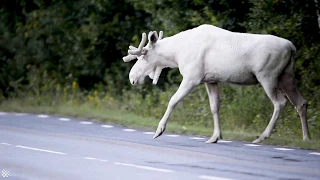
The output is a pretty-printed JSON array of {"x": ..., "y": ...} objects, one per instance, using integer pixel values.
[{"x": 147, "y": 56}]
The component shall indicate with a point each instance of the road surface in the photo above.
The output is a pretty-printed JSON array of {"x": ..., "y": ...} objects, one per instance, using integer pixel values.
[{"x": 49, "y": 147}]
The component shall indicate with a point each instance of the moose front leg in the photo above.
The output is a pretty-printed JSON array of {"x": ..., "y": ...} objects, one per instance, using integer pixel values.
[{"x": 185, "y": 87}]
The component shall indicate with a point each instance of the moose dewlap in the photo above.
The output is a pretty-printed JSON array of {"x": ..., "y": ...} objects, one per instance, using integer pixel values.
[{"x": 208, "y": 54}]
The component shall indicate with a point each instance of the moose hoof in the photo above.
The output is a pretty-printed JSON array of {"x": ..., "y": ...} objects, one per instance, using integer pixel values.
[
  {"x": 306, "y": 138},
  {"x": 260, "y": 139},
  {"x": 213, "y": 139},
  {"x": 159, "y": 131}
]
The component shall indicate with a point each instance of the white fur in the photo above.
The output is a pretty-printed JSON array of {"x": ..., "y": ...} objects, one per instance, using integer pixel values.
[{"x": 208, "y": 54}]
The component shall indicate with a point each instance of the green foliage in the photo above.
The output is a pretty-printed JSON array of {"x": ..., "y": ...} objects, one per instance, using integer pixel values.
[{"x": 69, "y": 52}]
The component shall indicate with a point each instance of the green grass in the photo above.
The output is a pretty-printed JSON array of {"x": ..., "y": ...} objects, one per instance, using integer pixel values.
[{"x": 116, "y": 116}]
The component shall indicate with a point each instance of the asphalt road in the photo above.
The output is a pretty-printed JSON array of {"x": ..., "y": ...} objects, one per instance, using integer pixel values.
[{"x": 49, "y": 147}]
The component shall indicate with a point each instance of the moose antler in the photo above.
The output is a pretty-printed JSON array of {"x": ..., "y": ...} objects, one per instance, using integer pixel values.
[
  {"x": 130, "y": 57},
  {"x": 160, "y": 35},
  {"x": 137, "y": 51}
]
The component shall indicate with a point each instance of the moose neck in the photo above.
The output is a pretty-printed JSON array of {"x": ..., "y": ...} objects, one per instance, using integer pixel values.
[{"x": 166, "y": 49}]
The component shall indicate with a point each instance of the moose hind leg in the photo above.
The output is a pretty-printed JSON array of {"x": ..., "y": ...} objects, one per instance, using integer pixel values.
[
  {"x": 213, "y": 93},
  {"x": 287, "y": 83},
  {"x": 279, "y": 102}
]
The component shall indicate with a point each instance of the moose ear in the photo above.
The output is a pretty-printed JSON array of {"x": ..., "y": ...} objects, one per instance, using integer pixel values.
[{"x": 153, "y": 37}]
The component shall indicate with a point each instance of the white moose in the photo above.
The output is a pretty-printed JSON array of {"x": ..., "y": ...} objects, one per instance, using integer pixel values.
[{"x": 208, "y": 54}]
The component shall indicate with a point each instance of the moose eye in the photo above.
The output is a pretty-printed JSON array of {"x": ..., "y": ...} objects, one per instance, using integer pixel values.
[{"x": 144, "y": 51}]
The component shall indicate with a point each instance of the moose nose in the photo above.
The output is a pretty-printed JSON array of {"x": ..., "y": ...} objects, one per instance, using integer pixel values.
[{"x": 132, "y": 81}]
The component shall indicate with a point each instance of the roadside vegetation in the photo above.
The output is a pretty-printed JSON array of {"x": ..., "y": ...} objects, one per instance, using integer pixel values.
[{"x": 64, "y": 58}]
